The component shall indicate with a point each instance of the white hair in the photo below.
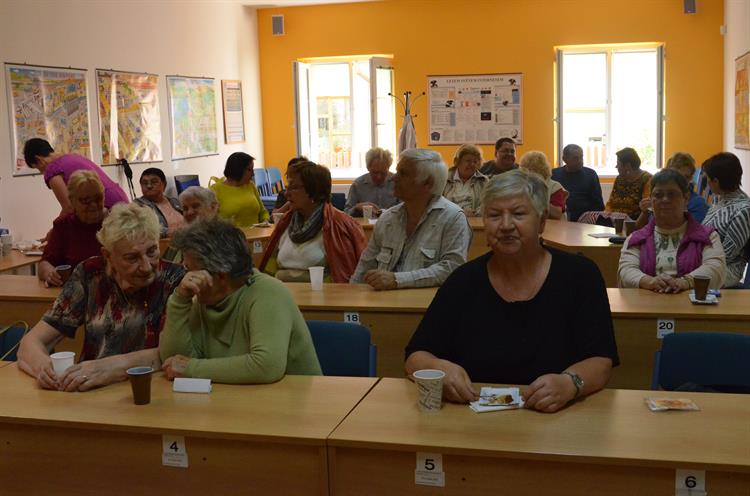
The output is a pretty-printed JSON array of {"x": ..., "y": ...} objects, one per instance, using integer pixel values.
[
  {"x": 429, "y": 167},
  {"x": 517, "y": 182},
  {"x": 381, "y": 155},
  {"x": 128, "y": 221},
  {"x": 205, "y": 195}
]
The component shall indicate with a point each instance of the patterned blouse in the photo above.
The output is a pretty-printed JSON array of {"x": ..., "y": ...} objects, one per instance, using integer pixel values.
[
  {"x": 115, "y": 322},
  {"x": 730, "y": 216},
  {"x": 627, "y": 195}
]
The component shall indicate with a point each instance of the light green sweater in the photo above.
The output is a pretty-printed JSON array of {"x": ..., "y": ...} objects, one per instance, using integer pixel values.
[{"x": 255, "y": 335}]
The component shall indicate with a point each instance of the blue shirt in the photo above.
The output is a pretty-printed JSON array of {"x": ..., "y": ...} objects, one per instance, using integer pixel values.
[{"x": 584, "y": 188}]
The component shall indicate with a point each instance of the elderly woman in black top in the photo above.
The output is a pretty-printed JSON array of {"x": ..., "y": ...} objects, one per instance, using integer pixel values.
[{"x": 535, "y": 315}]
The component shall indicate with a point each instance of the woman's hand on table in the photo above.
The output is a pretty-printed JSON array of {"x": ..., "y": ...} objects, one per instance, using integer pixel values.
[
  {"x": 46, "y": 377},
  {"x": 175, "y": 366},
  {"x": 89, "y": 375},
  {"x": 457, "y": 385},
  {"x": 549, "y": 393}
]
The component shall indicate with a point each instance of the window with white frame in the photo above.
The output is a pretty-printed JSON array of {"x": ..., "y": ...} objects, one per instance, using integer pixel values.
[
  {"x": 610, "y": 98},
  {"x": 344, "y": 109}
]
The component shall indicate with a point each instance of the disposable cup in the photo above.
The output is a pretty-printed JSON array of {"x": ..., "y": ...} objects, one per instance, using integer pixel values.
[
  {"x": 701, "y": 286},
  {"x": 62, "y": 360},
  {"x": 618, "y": 225},
  {"x": 316, "y": 278},
  {"x": 429, "y": 389},
  {"x": 367, "y": 211},
  {"x": 64, "y": 271},
  {"x": 277, "y": 217},
  {"x": 629, "y": 227},
  {"x": 6, "y": 244},
  {"x": 140, "y": 382}
]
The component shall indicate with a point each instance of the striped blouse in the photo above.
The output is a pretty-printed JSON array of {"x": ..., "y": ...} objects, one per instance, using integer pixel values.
[{"x": 730, "y": 216}]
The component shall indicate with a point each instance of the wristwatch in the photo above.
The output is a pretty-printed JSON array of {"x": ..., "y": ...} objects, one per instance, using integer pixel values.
[{"x": 577, "y": 381}]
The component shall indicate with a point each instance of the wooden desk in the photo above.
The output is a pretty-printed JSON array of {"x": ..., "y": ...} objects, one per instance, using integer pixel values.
[
  {"x": 263, "y": 439},
  {"x": 253, "y": 234},
  {"x": 391, "y": 316},
  {"x": 567, "y": 236},
  {"x": 574, "y": 238},
  {"x": 635, "y": 313},
  {"x": 609, "y": 443},
  {"x": 16, "y": 260}
]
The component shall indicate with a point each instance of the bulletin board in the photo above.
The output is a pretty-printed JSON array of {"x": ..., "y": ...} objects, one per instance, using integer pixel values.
[{"x": 477, "y": 109}]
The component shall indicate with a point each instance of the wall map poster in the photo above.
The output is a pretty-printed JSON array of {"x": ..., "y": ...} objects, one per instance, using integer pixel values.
[
  {"x": 130, "y": 127},
  {"x": 192, "y": 112},
  {"x": 477, "y": 109},
  {"x": 742, "y": 102},
  {"x": 49, "y": 103}
]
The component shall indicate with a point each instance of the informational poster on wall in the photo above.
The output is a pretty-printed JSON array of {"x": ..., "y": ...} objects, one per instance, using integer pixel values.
[
  {"x": 742, "y": 102},
  {"x": 49, "y": 103},
  {"x": 477, "y": 109},
  {"x": 234, "y": 121},
  {"x": 192, "y": 114},
  {"x": 129, "y": 116}
]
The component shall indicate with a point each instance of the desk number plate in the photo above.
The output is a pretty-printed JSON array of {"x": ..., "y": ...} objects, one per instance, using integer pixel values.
[
  {"x": 173, "y": 452},
  {"x": 429, "y": 470},
  {"x": 690, "y": 482},
  {"x": 664, "y": 327}
]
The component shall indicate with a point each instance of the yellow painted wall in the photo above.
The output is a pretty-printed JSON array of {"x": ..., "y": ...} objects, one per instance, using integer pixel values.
[{"x": 486, "y": 36}]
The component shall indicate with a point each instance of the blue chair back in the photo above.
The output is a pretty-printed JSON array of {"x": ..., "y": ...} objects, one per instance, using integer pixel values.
[
  {"x": 746, "y": 280},
  {"x": 343, "y": 349},
  {"x": 338, "y": 200},
  {"x": 716, "y": 360},
  {"x": 184, "y": 181},
  {"x": 275, "y": 179},
  {"x": 10, "y": 337},
  {"x": 261, "y": 181}
]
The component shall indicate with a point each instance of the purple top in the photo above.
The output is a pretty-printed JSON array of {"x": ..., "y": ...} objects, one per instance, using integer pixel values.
[{"x": 68, "y": 164}]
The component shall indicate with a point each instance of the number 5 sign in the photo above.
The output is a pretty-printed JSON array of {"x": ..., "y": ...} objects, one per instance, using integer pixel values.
[{"x": 429, "y": 470}]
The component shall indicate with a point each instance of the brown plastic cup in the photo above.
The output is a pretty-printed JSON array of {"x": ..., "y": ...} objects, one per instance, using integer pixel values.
[
  {"x": 701, "y": 287},
  {"x": 64, "y": 271},
  {"x": 618, "y": 225},
  {"x": 140, "y": 381},
  {"x": 629, "y": 227}
]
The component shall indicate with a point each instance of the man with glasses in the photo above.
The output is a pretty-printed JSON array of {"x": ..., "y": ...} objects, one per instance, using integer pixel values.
[{"x": 505, "y": 158}]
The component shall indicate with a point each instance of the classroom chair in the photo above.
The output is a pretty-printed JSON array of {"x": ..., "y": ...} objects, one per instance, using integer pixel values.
[
  {"x": 275, "y": 186},
  {"x": 10, "y": 338},
  {"x": 715, "y": 360},
  {"x": 184, "y": 181},
  {"x": 343, "y": 349},
  {"x": 338, "y": 200}
]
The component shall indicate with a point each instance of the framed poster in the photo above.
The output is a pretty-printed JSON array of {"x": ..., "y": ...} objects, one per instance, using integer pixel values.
[
  {"x": 192, "y": 116},
  {"x": 49, "y": 103},
  {"x": 742, "y": 102},
  {"x": 129, "y": 122},
  {"x": 477, "y": 109},
  {"x": 234, "y": 121}
]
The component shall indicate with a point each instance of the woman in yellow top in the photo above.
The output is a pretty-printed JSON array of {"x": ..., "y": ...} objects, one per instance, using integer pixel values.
[{"x": 239, "y": 200}]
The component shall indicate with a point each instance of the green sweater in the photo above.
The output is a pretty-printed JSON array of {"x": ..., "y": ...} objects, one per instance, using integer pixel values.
[{"x": 255, "y": 335}]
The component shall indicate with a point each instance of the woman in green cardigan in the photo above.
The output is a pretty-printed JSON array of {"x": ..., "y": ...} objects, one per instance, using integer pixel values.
[{"x": 227, "y": 322}]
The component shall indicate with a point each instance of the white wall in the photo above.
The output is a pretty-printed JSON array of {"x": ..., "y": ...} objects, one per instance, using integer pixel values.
[
  {"x": 736, "y": 42},
  {"x": 187, "y": 37}
]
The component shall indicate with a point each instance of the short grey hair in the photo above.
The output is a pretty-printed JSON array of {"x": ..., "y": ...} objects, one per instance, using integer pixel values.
[
  {"x": 378, "y": 154},
  {"x": 206, "y": 196},
  {"x": 218, "y": 246},
  {"x": 429, "y": 165},
  {"x": 517, "y": 182}
]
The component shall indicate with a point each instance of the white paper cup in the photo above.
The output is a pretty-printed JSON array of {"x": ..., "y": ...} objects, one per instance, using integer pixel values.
[
  {"x": 367, "y": 211},
  {"x": 277, "y": 217},
  {"x": 316, "y": 278},
  {"x": 62, "y": 360},
  {"x": 429, "y": 389}
]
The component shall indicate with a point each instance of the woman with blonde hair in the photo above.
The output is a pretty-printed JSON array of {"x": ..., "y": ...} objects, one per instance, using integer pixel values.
[
  {"x": 73, "y": 236},
  {"x": 120, "y": 300},
  {"x": 465, "y": 182},
  {"x": 536, "y": 162}
]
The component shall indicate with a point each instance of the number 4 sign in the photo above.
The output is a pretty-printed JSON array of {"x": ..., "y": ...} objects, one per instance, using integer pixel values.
[
  {"x": 429, "y": 470},
  {"x": 173, "y": 453}
]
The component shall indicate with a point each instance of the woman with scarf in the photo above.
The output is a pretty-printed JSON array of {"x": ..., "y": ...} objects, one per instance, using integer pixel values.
[{"x": 313, "y": 232}]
